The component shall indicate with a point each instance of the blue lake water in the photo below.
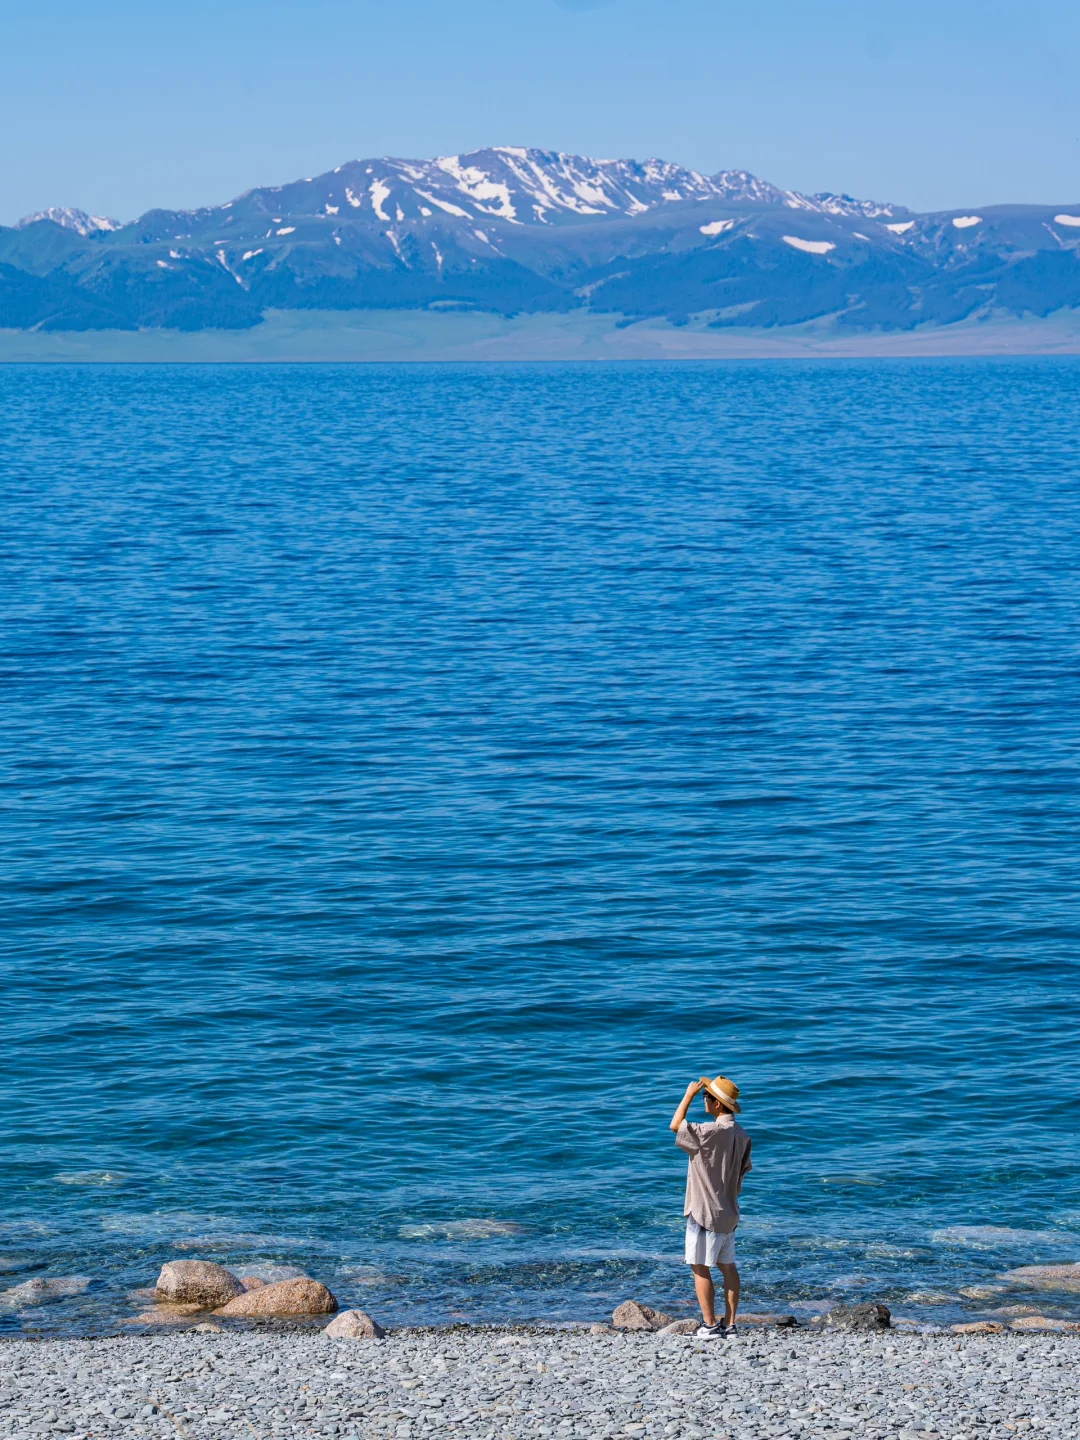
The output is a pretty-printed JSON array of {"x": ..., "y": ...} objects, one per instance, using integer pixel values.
[{"x": 413, "y": 776}]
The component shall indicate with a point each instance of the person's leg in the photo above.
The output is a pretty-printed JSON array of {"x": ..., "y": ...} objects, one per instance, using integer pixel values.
[
  {"x": 732, "y": 1291},
  {"x": 706, "y": 1294}
]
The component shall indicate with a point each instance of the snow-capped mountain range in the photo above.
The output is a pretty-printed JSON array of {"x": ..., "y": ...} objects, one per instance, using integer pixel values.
[
  {"x": 520, "y": 186},
  {"x": 543, "y": 187},
  {"x": 511, "y": 229}
]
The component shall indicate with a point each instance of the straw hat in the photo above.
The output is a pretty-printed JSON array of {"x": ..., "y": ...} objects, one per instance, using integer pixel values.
[{"x": 724, "y": 1090}]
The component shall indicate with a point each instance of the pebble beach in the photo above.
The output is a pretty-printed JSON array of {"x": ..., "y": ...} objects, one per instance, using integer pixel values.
[{"x": 561, "y": 1383}]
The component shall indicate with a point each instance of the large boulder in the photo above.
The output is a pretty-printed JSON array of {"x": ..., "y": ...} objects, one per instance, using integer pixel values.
[
  {"x": 679, "y": 1327},
  {"x": 197, "y": 1282},
  {"x": 302, "y": 1296},
  {"x": 872, "y": 1316},
  {"x": 979, "y": 1327},
  {"x": 632, "y": 1315},
  {"x": 782, "y": 1322},
  {"x": 354, "y": 1325},
  {"x": 1047, "y": 1277}
]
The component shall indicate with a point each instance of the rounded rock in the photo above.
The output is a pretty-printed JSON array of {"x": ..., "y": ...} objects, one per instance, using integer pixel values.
[
  {"x": 354, "y": 1325},
  {"x": 302, "y": 1296},
  {"x": 632, "y": 1315},
  {"x": 197, "y": 1282}
]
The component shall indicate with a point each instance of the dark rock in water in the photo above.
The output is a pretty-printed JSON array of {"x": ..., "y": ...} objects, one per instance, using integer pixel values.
[
  {"x": 10, "y": 1264},
  {"x": 1046, "y": 1277},
  {"x": 872, "y": 1316},
  {"x": 354, "y": 1325},
  {"x": 36, "y": 1292},
  {"x": 632, "y": 1315},
  {"x": 165, "y": 1314},
  {"x": 783, "y": 1322},
  {"x": 197, "y": 1282}
]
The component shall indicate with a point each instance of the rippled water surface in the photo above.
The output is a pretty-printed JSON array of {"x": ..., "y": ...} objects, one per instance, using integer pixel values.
[{"x": 413, "y": 776}]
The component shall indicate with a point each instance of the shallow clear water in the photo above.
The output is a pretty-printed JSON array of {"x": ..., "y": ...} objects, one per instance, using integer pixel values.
[{"x": 413, "y": 776}]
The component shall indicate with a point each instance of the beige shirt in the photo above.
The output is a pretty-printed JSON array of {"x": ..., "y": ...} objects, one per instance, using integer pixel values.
[{"x": 719, "y": 1153}]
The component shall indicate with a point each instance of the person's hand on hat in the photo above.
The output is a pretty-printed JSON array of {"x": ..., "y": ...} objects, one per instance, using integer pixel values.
[{"x": 693, "y": 1090}]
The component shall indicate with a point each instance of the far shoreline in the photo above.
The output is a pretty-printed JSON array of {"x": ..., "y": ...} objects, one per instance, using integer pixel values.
[{"x": 476, "y": 337}]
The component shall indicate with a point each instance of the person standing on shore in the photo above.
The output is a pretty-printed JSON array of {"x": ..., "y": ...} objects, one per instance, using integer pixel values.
[{"x": 719, "y": 1151}]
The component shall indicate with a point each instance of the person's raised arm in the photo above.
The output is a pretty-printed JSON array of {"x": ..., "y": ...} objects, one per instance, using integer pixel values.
[{"x": 692, "y": 1090}]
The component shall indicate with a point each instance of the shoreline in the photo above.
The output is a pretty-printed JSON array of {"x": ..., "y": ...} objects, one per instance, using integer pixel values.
[
  {"x": 421, "y": 336},
  {"x": 1044, "y": 1305},
  {"x": 542, "y": 1382},
  {"x": 193, "y": 1295},
  {"x": 1022, "y": 1313}
]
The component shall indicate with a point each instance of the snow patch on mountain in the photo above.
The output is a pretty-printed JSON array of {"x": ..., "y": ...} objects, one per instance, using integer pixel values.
[
  {"x": 810, "y": 247},
  {"x": 445, "y": 205},
  {"x": 476, "y": 183},
  {"x": 379, "y": 192}
]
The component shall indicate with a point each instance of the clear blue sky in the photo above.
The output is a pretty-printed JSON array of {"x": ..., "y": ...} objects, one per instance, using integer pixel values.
[{"x": 126, "y": 104}]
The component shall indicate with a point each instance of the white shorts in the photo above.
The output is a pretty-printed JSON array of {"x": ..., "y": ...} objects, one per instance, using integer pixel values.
[{"x": 706, "y": 1247}]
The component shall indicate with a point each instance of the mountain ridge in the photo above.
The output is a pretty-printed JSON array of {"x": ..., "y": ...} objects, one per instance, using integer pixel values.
[
  {"x": 69, "y": 218},
  {"x": 592, "y": 187},
  {"x": 512, "y": 230}
]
